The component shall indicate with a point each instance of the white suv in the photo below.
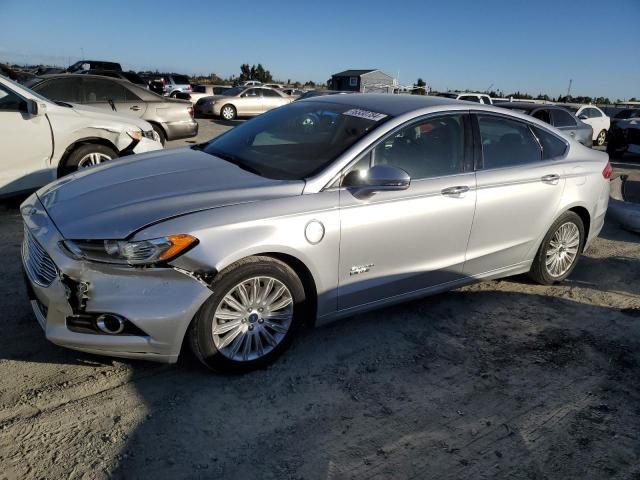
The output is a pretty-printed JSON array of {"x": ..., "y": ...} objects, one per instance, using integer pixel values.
[
  {"x": 468, "y": 96},
  {"x": 41, "y": 140},
  {"x": 595, "y": 117}
]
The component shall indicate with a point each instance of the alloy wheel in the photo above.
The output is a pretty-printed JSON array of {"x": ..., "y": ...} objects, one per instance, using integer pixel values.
[
  {"x": 563, "y": 249},
  {"x": 601, "y": 138},
  {"x": 92, "y": 159},
  {"x": 227, "y": 113},
  {"x": 252, "y": 318}
]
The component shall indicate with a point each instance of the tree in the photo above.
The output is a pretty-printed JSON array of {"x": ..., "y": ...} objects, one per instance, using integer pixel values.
[
  {"x": 254, "y": 72},
  {"x": 419, "y": 87},
  {"x": 245, "y": 73}
]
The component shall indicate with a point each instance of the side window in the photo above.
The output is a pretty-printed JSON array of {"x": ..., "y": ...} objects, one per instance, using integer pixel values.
[
  {"x": 356, "y": 173},
  {"x": 562, "y": 118},
  {"x": 594, "y": 113},
  {"x": 542, "y": 115},
  {"x": 470, "y": 98},
  {"x": 252, "y": 93},
  {"x": 507, "y": 143},
  {"x": 97, "y": 90},
  {"x": 431, "y": 148},
  {"x": 552, "y": 146},
  {"x": 270, "y": 93},
  {"x": 9, "y": 101},
  {"x": 63, "y": 89}
]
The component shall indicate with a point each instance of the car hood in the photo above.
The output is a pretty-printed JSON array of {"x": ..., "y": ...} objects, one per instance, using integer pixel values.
[
  {"x": 115, "y": 118},
  {"x": 114, "y": 200}
]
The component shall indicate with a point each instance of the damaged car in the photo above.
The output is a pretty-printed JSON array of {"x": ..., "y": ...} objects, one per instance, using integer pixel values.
[{"x": 315, "y": 211}]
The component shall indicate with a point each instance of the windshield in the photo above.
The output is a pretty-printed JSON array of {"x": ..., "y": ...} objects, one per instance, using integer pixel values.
[{"x": 296, "y": 141}]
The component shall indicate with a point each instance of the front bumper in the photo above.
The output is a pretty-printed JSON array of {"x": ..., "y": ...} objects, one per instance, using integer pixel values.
[
  {"x": 182, "y": 129},
  {"x": 159, "y": 301}
]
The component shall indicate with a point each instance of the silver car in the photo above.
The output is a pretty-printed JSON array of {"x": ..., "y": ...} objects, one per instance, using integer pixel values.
[
  {"x": 242, "y": 102},
  {"x": 312, "y": 212},
  {"x": 170, "y": 118}
]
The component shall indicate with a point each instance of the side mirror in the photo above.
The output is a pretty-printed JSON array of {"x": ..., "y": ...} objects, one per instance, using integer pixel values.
[
  {"x": 35, "y": 109},
  {"x": 381, "y": 178}
]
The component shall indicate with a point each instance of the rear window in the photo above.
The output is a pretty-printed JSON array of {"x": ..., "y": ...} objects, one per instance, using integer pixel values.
[
  {"x": 562, "y": 118},
  {"x": 180, "y": 79}
]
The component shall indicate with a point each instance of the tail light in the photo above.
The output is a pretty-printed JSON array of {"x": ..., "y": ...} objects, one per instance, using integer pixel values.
[
  {"x": 189, "y": 88},
  {"x": 608, "y": 170},
  {"x": 190, "y": 110}
]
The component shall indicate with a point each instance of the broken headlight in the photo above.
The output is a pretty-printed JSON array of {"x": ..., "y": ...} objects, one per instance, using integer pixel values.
[{"x": 143, "y": 252}]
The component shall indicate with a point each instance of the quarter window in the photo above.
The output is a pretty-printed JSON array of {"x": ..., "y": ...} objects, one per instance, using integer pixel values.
[
  {"x": 507, "y": 143},
  {"x": 552, "y": 146},
  {"x": 562, "y": 118},
  {"x": 432, "y": 148}
]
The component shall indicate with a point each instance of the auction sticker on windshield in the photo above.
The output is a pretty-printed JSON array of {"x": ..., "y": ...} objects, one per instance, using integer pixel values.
[{"x": 356, "y": 112}]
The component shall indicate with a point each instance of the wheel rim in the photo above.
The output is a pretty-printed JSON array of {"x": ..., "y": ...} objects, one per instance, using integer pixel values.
[
  {"x": 92, "y": 159},
  {"x": 563, "y": 249},
  {"x": 227, "y": 112},
  {"x": 600, "y": 139},
  {"x": 252, "y": 319}
]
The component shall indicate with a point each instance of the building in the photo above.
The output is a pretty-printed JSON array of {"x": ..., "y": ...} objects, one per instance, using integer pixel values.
[{"x": 365, "y": 81}]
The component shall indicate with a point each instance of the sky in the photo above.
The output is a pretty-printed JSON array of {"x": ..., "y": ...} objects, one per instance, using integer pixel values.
[{"x": 535, "y": 46}]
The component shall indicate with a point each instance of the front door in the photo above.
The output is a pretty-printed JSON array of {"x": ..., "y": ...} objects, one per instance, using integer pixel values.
[
  {"x": 26, "y": 148},
  {"x": 517, "y": 195},
  {"x": 399, "y": 242}
]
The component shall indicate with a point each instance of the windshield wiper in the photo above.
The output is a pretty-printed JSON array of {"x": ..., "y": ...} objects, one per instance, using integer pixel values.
[{"x": 236, "y": 161}]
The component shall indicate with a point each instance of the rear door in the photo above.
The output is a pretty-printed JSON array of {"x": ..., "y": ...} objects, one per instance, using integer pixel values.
[
  {"x": 517, "y": 194},
  {"x": 398, "y": 242},
  {"x": 112, "y": 96}
]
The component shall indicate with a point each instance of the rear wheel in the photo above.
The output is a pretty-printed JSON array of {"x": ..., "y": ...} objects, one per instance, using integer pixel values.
[
  {"x": 86, "y": 156},
  {"x": 560, "y": 250},
  {"x": 160, "y": 132},
  {"x": 228, "y": 112},
  {"x": 601, "y": 138},
  {"x": 250, "y": 318}
]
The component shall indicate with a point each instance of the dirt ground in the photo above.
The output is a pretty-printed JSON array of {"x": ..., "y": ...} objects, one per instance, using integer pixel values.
[{"x": 502, "y": 379}]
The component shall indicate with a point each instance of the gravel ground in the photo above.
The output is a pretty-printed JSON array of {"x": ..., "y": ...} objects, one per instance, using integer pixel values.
[{"x": 502, "y": 379}]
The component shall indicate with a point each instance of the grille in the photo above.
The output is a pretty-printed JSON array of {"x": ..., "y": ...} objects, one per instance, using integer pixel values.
[{"x": 37, "y": 262}]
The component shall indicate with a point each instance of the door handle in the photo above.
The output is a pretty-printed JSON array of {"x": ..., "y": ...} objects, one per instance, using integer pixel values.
[
  {"x": 135, "y": 108},
  {"x": 453, "y": 191},
  {"x": 552, "y": 179}
]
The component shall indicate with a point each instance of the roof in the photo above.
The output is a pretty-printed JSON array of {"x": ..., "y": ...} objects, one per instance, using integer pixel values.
[
  {"x": 527, "y": 106},
  {"x": 389, "y": 104},
  {"x": 354, "y": 73}
]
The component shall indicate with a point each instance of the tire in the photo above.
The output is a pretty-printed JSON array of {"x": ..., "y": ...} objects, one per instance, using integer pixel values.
[
  {"x": 228, "y": 112},
  {"x": 173, "y": 94},
  {"x": 543, "y": 273},
  {"x": 158, "y": 129},
  {"x": 86, "y": 156},
  {"x": 601, "y": 138},
  {"x": 227, "y": 350}
]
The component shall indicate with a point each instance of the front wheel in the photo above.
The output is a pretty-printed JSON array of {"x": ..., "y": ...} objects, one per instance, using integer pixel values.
[
  {"x": 601, "y": 138},
  {"x": 228, "y": 112},
  {"x": 250, "y": 318},
  {"x": 560, "y": 249},
  {"x": 87, "y": 156}
]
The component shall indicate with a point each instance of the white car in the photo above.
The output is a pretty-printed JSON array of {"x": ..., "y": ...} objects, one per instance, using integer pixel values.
[
  {"x": 595, "y": 117},
  {"x": 41, "y": 140},
  {"x": 468, "y": 97}
]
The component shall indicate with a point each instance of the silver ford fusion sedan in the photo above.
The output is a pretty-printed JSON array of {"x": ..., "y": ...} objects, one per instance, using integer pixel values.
[{"x": 314, "y": 211}]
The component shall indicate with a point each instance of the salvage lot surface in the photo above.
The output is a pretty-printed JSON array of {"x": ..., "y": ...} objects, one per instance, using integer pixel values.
[{"x": 502, "y": 379}]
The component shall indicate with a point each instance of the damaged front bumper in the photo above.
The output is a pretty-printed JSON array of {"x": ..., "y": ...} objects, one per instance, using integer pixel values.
[{"x": 67, "y": 294}]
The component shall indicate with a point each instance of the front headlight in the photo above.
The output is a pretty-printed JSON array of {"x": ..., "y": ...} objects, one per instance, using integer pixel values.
[{"x": 144, "y": 252}]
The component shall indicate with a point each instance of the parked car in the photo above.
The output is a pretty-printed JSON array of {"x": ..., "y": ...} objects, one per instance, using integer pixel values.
[
  {"x": 467, "y": 96},
  {"x": 250, "y": 83},
  {"x": 315, "y": 211},
  {"x": 294, "y": 92},
  {"x": 595, "y": 117},
  {"x": 625, "y": 114},
  {"x": 172, "y": 119},
  {"x": 84, "y": 65},
  {"x": 242, "y": 102},
  {"x": 556, "y": 116},
  {"x": 174, "y": 84},
  {"x": 132, "y": 77},
  {"x": 43, "y": 140},
  {"x": 277, "y": 86},
  {"x": 321, "y": 93},
  {"x": 624, "y": 137},
  {"x": 202, "y": 91}
]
